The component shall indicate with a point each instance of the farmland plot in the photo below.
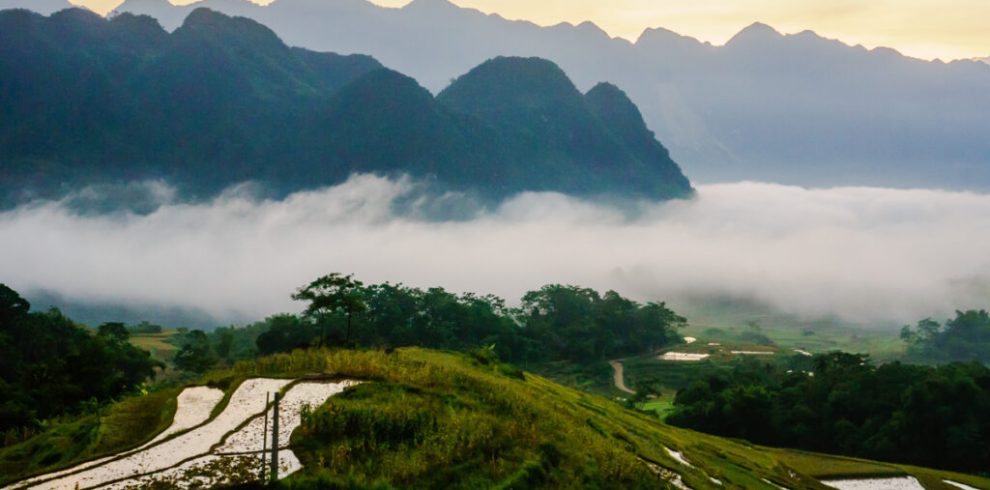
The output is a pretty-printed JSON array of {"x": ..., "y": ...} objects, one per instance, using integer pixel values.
[{"x": 232, "y": 439}]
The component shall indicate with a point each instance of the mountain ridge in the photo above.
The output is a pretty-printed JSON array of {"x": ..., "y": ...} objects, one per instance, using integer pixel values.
[
  {"x": 222, "y": 99},
  {"x": 803, "y": 109}
]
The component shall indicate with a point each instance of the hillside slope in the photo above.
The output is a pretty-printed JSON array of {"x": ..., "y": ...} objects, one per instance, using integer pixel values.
[{"x": 426, "y": 419}]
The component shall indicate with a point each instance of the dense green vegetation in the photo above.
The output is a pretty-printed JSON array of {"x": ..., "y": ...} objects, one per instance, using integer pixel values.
[
  {"x": 222, "y": 100},
  {"x": 105, "y": 431},
  {"x": 553, "y": 323},
  {"x": 842, "y": 403},
  {"x": 49, "y": 366},
  {"x": 963, "y": 338}
]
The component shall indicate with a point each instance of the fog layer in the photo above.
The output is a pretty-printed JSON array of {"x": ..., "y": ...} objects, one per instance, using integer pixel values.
[{"x": 863, "y": 254}]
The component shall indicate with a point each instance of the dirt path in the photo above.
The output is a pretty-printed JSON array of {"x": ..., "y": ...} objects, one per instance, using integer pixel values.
[{"x": 618, "y": 378}]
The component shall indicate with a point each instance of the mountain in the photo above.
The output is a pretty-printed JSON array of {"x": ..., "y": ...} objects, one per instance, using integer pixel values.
[
  {"x": 794, "y": 108},
  {"x": 528, "y": 98},
  {"x": 45, "y": 7},
  {"x": 221, "y": 100}
]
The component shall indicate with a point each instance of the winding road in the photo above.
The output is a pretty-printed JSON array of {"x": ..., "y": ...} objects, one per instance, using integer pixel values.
[{"x": 618, "y": 377}]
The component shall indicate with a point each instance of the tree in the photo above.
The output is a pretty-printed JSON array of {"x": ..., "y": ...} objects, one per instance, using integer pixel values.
[
  {"x": 49, "y": 365},
  {"x": 114, "y": 332},
  {"x": 963, "y": 338},
  {"x": 330, "y": 295},
  {"x": 284, "y": 333},
  {"x": 196, "y": 354},
  {"x": 12, "y": 305}
]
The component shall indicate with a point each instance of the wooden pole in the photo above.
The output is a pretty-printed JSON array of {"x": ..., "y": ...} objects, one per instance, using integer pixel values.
[
  {"x": 275, "y": 441},
  {"x": 264, "y": 438}
]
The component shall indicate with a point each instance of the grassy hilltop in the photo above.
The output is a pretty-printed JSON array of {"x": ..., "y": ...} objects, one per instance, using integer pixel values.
[{"x": 429, "y": 419}]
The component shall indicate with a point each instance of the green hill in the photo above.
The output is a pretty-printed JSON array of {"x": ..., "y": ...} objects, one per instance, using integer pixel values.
[{"x": 428, "y": 419}]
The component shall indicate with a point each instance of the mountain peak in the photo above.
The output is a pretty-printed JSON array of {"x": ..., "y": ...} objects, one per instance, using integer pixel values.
[
  {"x": 203, "y": 16},
  {"x": 756, "y": 32},
  {"x": 430, "y": 5},
  {"x": 616, "y": 109},
  {"x": 44, "y": 7},
  {"x": 591, "y": 28},
  {"x": 659, "y": 36},
  {"x": 511, "y": 78},
  {"x": 657, "y": 33},
  {"x": 215, "y": 24}
]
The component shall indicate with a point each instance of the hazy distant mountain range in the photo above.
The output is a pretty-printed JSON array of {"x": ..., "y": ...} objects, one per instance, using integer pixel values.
[
  {"x": 788, "y": 108},
  {"x": 222, "y": 100},
  {"x": 797, "y": 109}
]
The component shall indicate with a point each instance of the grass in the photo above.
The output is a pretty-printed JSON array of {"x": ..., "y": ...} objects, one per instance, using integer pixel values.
[
  {"x": 124, "y": 425},
  {"x": 157, "y": 344},
  {"x": 593, "y": 377},
  {"x": 428, "y": 419},
  {"x": 661, "y": 406},
  {"x": 425, "y": 419},
  {"x": 134, "y": 421}
]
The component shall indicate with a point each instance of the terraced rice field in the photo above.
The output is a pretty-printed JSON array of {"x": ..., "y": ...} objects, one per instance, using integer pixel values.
[
  {"x": 196, "y": 442},
  {"x": 902, "y": 483},
  {"x": 959, "y": 485},
  {"x": 683, "y": 357}
]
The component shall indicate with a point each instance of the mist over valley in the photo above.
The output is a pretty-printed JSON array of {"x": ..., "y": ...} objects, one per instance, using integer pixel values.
[{"x": 866, "y": 255}]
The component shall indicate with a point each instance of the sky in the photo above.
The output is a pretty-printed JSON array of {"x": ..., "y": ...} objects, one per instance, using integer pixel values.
[
  {"x": 928, "y": 29},
  {"x": 863, "y": 254}
]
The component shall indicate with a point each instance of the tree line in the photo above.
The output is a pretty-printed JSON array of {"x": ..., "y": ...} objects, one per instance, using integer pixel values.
[
  {"x": 49, "y": 366},
  {"x": 555, "y": 322},
  {"x": 841, "y": 403},
  {"x": 963, "y": 338}
]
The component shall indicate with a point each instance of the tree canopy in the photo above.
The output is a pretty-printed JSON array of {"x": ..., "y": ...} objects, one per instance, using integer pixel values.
[
  {"x": 963, "y": 338},
  {"x": 331, "y": 294},
  {"x": 49, "y": 365},
  {"x": 841, "y": 403},
  {"x": 553, "y": 323}
]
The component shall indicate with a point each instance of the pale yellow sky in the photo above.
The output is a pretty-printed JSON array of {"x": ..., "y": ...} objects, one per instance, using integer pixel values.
[{"x": 946, "y": 29}]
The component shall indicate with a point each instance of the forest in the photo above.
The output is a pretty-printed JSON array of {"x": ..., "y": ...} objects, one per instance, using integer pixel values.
[
  {"x": 49, "y": 366},
  {"x": 963, "y": 338},
  {"x": 555, "y": 322},
  {"x": 844, "y": 404}
]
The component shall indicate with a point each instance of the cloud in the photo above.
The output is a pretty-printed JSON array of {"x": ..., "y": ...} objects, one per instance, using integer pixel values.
[{"x": 864, "y": 254}]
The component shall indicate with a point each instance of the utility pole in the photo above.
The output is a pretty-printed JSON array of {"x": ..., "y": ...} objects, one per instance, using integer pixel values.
[
  {"x": 275, "y": 441},
  {"x": 264, "y": 438}
]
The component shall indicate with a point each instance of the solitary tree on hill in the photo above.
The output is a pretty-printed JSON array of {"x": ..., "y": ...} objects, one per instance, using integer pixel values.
[{"x": 332, "y": 294}]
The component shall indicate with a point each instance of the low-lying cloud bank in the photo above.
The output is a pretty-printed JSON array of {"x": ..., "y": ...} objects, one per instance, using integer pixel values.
[{"x": 864, "y": 254}]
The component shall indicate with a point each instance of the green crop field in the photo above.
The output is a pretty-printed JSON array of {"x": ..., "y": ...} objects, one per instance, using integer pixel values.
[{"x": 157, "y": 344}]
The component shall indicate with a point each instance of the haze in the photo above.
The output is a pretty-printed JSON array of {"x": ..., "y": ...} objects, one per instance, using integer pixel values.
[
  {"x": 926, "y": 29},
  {"x": 864, "y": 254}
]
